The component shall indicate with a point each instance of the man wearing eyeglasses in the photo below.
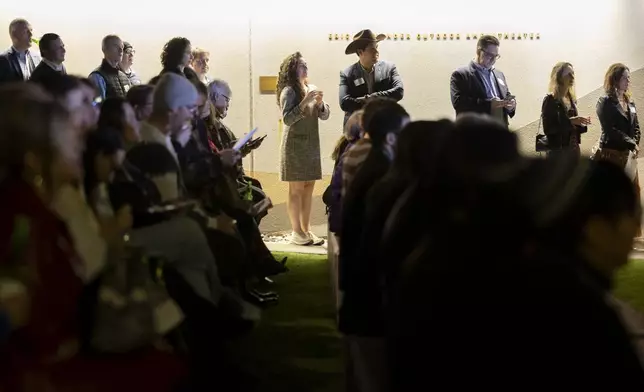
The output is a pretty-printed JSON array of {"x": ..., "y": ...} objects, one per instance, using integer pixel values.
[{"x": 480, "y": 87}]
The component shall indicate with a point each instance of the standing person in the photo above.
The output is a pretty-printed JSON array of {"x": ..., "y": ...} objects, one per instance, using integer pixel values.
[
  {"x": 369, "y": 77},
  {"x": 199, "y": 63},
  {"x": 300, "y": 165},
  {"x": 108, "y": 78},
  {"x": 560, "y": 119},
  {"x": 17, "y": 63},
  {"x": 126, "y": 64},
  {"x": 481, "y": 88},
  {"x": 52, "y": 50},
  {"x": 620, "y": 138}
]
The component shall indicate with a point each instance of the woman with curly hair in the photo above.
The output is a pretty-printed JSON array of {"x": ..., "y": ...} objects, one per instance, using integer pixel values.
[
  {"x": 301, "y": 105},
  {"x": 176, "y": 57}
]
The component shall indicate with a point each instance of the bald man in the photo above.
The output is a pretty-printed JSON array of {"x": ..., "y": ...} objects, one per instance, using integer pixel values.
[{"x": 18, "y": 63}]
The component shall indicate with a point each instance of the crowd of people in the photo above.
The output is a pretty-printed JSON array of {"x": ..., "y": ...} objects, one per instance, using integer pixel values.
[
  {"x": 131, "y": 253},
  {"x": 130, "y": 250}
]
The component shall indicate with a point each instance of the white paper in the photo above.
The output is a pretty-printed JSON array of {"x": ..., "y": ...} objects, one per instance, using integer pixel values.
[{"x": 240, "y": 143}]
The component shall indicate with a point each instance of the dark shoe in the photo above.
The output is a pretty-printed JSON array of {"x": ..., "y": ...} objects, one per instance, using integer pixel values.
[
  {"x": 272, "y": 267},
  {"x": 266, "y": 294},
  {"x": 258, "y": 300}
]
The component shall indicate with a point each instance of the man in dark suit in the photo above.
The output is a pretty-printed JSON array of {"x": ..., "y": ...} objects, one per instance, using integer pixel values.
[
  {"x": 52, "y": 50},
  {"x": 481, "y": 88},
  {"x": 368, "y": 77},
  {"x": 17, "y": 63}
]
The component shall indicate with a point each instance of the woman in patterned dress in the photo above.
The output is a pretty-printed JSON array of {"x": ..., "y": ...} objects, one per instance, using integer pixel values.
[{"x": 302, "y": 105}]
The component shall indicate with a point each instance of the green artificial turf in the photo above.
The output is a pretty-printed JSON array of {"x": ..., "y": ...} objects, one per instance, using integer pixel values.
[
  {"x": 630, "y": 284},
  {"x": 296, "y": 346}
]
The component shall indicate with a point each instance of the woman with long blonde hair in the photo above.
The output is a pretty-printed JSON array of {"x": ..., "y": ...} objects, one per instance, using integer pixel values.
[
  {"x": 302, "y": 106},
  {"x": 559, "y": 115}
]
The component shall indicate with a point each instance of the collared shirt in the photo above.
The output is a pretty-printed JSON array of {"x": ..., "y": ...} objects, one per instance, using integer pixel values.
[
  {"x": 370, "y": 78},
  {"x": 489, "y": 80},
  {"x": 56, "y": 67},
  {"x": 25, "y": 61}
]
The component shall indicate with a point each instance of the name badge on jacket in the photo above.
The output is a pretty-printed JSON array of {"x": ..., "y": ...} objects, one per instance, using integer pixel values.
[
  {"x": 359, "y": 82},
  {"x": 633, "y": 110}
]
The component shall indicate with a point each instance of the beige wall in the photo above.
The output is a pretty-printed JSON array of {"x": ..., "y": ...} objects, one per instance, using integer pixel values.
[{"x": 248, "y": 40}]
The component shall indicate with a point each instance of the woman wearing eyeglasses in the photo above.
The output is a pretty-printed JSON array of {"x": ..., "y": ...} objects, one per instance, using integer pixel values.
[{"x": 560, "y": 119}]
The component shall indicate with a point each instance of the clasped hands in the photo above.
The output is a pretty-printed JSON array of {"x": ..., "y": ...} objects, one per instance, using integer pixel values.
[
  {"x": 316, "y": 96},
  {"x": 508, "y": 104}
]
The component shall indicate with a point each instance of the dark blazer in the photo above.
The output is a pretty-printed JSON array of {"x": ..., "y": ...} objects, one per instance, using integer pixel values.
[
  {"x": 620, "y": 128},
  {"x": 468, "y": 94},
  {"x": 387, "y": 84},
  {"x": 555, "y": 119},
  {"x": 44, "y": 72},
  {"x": 10, "y": 70}
]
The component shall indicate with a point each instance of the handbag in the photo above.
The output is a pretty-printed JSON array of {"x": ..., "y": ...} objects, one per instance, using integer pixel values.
[
  {"x": 541, "y": 140},
  {"x": 133, "y": 308}
]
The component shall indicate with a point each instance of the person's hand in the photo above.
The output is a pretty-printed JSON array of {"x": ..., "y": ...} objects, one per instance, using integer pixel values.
[
  {"x": 510, "y": 104},
  {"x": 308, "y": 98},
  {"x": 123, "y": 218},
  {"x": 319, "y": 98},
  {"x": 362, "y": 99},
  {"x": 230, "y": 157},
  {"x": 254, "y": 144},
  {"x": 497, "y": 103},
  {"x": 226, "y": 224},
  {"x": 580, "y": 121},
  {"x": 262, "y": 206}
]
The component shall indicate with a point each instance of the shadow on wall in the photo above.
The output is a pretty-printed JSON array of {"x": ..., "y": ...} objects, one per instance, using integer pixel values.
[{"x": 586, "y": 105}]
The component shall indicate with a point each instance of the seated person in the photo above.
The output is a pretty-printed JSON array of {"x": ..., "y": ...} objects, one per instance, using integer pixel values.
[
  {"x": 219, "y": 95},
  {"x": 39, "y": 153}
]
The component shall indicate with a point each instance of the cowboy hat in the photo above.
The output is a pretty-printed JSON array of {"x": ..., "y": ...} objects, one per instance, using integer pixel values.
[{"x": 363, "y": 37}]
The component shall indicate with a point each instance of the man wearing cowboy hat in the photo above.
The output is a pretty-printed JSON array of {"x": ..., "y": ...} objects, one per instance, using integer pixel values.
[{"x": 368, "y": 77}]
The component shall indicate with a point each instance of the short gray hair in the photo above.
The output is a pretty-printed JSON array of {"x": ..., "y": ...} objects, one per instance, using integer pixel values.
[
  {"x": 217, "y": 86},
  {"x": 107, "y": 39},
  {"x": 15, "y": 23}
]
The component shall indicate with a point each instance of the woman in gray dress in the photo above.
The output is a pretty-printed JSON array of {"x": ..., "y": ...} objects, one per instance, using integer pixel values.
[{"x": 301, "y": 105}]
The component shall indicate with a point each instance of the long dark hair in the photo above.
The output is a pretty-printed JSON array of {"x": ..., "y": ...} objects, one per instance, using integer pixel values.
[{"x": 288, "y": 76}]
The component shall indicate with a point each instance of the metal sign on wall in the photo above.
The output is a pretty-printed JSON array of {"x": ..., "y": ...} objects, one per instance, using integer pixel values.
[{"x": 441, "y": 36}]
